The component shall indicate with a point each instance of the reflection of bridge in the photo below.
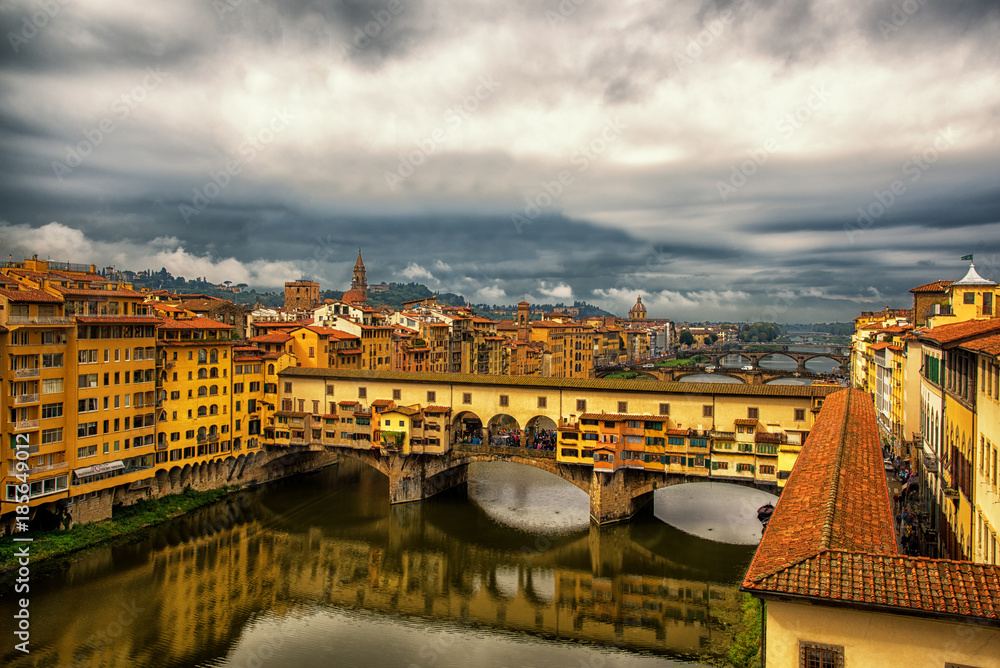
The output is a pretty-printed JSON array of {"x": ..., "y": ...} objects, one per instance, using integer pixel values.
[
  {"x": 614, "y": 496},
  {"x": 197, "y": 587}
]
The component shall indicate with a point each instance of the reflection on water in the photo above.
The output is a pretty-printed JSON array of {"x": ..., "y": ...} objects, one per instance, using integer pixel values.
[
  {"x": 715, "y": 511},
  {"x": 789, "y": 381},
  {"x": 320, "y": 570}
]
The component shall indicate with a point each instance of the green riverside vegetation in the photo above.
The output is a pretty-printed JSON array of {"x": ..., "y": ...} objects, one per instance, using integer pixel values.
[{"x": 125, "y": 521}]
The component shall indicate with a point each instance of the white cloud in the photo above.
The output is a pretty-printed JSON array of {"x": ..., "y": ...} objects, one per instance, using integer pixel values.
[
  {"x": 59, "y": 242},
  {"x": 561, "y": 291},
  {"x": 441, "y": 266},
  {"x": 415, "y": 272}
]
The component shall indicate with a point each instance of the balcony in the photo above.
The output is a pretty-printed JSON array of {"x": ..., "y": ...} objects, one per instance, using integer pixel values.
[
  {"x": 24, "y": 425},
  {"x": 39, "y": 320},
  {"x": 26, "y": 399},
  {"x": 26, "y": 373},
  {"x": 39, "y": 469}
]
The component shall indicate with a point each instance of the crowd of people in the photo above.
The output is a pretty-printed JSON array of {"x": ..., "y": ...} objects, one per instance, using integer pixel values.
[{"x": 509, "y": 437}]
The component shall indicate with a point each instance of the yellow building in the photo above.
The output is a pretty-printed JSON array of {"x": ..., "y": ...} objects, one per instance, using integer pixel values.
[
  {"x": 194, "y": 376},
  {"x": 79, "y": 389},
  {"x": 986, "y": 439}
]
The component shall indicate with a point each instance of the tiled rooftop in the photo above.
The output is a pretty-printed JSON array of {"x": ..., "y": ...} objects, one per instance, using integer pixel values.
[
  {"x": 831, "y": 537},
  {"x": 936, "y": 286},
  {"x": 609, "y": 384},
  {"x": 955, "y": 332}
]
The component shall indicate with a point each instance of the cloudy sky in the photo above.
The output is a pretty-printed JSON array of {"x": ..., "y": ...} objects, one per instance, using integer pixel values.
[{"x": 790, "y": 160}]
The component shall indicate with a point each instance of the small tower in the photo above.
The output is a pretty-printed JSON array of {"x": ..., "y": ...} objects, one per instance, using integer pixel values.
[
  {"x": 523, "y": 320},
  {"x": 359, "y": 282}
]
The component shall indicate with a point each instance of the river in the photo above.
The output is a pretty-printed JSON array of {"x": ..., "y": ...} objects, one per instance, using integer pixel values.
[{"x": 320, "y": 570}]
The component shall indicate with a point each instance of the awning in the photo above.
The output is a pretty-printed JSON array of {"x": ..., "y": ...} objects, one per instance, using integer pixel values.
[{"x": 99, "y": 468}]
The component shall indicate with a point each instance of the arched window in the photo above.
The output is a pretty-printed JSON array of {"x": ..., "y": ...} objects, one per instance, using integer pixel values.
[
  {"x": 202, "y": 432},
  {"x": 202, "y": 391},
  {"x": 213, "y": 410},
  {"x": 202, "y": 411},
  {"x": 202, "y": 356},
  {"x": 270, "y": 369},
  {"x": 202, "y": 374},
  {"x": 213, "y": 356},
  {"x": 214, "y": 390},
  {"x": 213, "y": 373}
]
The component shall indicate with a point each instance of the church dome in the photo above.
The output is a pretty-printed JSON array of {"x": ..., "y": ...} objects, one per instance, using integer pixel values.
[{"x": 639, "y": 310}]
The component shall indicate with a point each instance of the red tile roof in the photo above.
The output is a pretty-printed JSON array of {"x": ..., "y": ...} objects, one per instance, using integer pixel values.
[
  {"x": 831, "y": 538},
  {"x": 79, "y": 292},
  {"x": 30, "y": 296},
  {"x": 622, "y": 417},
  {"x": 120, "y": 320},
  {"x": 272, "y": 337},
  {"x": 192, "y": 323},
  {"x": 936, "y": 286},
  {"x": 987, "y": 344},
  {"x": 746, "y": 421},
  {"x": 437, "y": 409},
  {"x": 382, "y": 402},
  {"x": 954, "y": 333}
]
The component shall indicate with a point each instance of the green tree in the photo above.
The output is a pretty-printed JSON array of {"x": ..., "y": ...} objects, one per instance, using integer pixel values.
[
  {"x": 745, "y": 650},
  {"x": 686, "y": 338}
]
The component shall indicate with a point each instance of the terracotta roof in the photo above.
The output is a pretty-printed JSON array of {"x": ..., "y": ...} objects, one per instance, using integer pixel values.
[
  {"x": 3, "y": 330},
  {"x": 987, "y": 344},
  {"x": 435, "y": 410},
  {"x": 678, "y": 432},
  {"x": 622, "y": 417},
  {"x": 272, "y": 337},
  {"x": 404, "y": 410},
  {"x": 30, "y": 296},
  {"x": 296, "y": 414},
  {"x": 746, "y": 421},
  {"x": 382, "y": 402},
  {"x": 608, "y": 384},
  {"x": 831, "y": 536},
  {"x": 956, "y": 332},
  {"x": 120, "y": 320},
  {"x": 767, "y": 437},
  {"x": 192, "y": 323},
  {"x": 80, "y": 292},
  {"x": 347, "y": 403},
  {"x": 936, "y": 286}
]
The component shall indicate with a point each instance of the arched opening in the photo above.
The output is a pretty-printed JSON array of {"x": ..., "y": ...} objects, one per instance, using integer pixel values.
[
  {"x": 214, "y": 390},
  {"x": 213, "y": 357},
  {"x": 202, "y": 356},
  {"x": 735, "y": 361},
  {"x": 270, "y": 369},
  {"x": 467, "y": 429},
  {"x": 202, "y": 411},
  {"x": 504, "y": 431},
  {"x": 202, "y": 434},
  {"x": 778, "y": 361},
  {"x": 202, "y": 374},
  {"x": 213, "y": 373},
  {"x": 540, "y": 433},
  {"x": 822, "y": 364},
  {"x": 213, "y": 410},
  {"x": 202, "y": 391}
]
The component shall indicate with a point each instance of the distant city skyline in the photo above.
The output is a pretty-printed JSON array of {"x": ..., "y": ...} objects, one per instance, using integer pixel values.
[{"x": 727, "y": 161}]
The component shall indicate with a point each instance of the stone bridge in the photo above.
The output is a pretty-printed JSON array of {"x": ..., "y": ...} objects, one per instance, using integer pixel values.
[
  {"x": 614, "y": 497},
  {"x": 799, "y": 357},
  {"x": 755, "y": 377}
]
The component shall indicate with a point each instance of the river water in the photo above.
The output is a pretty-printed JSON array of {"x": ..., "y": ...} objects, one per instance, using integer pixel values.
[{"x": 320, "y": 570}]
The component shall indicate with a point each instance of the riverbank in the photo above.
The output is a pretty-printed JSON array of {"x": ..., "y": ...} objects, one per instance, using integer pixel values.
[{"x": 124, "y": 524}]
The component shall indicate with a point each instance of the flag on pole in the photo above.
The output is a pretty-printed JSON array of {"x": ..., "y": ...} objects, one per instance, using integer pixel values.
[{"x": 967, "y": 257}]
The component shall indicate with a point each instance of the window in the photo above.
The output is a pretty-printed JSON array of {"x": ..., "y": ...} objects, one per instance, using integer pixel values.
[
  {"x": 362, "y": 393},
  {"x": 87, "y": 405},
  {"x": 467, "y": 398},
  {"x": 800, "y": 414},
  {"x": 87, "y": 380},
  {"x": 288, "y": 388},
  {"x": 88, "y": 357},
  {"x": 542, "y": 401},
  {"x": 86, "y": 429},
  {"x": 52, "y": 385},
  {"x": 52, "y": 435},
  {"x": 969, "y": 298},
  {"x": 504, "y": 400},
  {"x": 987, "y": 303},
  {"x": 52, "y": 410},
  {"x": 706, "y": 410},
  {"x": 752, "y": 414},
  {"x": 329, "y": 390},
  {"x": 623, "y": 407},
  {"x": 766, "y": 469},
  {"x": 664, "y": 409},
  {"x": 397, "y": 395},
  {"x": 86, "y": 451},
  {"x": 431, "y": 397},
  {"x": 814, "y": 655},
  {"x": 581, "y": 405}
]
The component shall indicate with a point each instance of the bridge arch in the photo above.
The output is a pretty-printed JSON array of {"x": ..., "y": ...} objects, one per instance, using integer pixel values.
[
  {"x": 540, "y": 431},
  {"x": 775, "y": 357},
  {"x": 467, "y": 426},
  {"x": 504, "y": 430},
  {"x": 806, "y": 360}
]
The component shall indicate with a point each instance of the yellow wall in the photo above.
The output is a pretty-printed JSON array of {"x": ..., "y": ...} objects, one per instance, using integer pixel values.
[{"x": 877, "y": 639}]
